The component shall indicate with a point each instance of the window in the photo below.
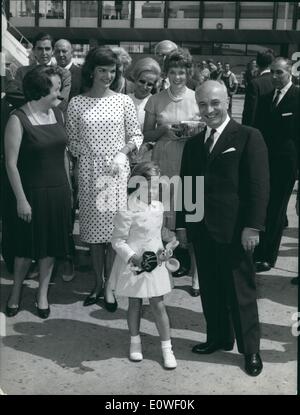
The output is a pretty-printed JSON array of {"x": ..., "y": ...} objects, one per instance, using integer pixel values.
[
  {"x": 84, "y": 8},
  {"x": 141, "y": 47},
  {"x": 198, "y": 48},
  {"x": 149, "y": 9},
  {"x": 116, "y": 10},
  {"x": 54, "y": 9},
  {"x": 229, "y": 49},
  {"x": 22, "y": 8},
  {"x": 218, "y": 9},
  {"x": 256, "y": 10},
  {"x": 253, "y": 49},
  {"x": 149, "y": 14},
  {"x": 184, "y": 9},
  {"x": 285, "y": 10}
]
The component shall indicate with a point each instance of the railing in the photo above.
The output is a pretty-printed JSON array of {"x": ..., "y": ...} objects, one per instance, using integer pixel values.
[
  {"x": 20, "y": 37},
  {"x": 15, "y": 32}
]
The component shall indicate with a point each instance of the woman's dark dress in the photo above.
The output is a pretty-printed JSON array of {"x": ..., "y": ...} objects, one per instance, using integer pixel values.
[{"x": 45, "y": 183}]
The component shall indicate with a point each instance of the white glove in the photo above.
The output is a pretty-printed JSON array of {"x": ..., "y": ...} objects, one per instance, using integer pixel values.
[{"x": 118, "y": 163}]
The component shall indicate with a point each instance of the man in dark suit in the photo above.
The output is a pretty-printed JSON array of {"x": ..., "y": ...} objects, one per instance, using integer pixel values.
[
  {"x": 279, "y": 123},
  {"x": 43, "y": 49},
  {"x": 259, "y": 86},
  {"x": 234, "y": 162},
  {"x": 63, "y": 56}
]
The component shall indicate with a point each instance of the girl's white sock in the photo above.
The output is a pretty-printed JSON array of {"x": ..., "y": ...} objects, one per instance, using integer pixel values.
[
  {"x": 135, "y": 339},
  {"x": 166, "y": 344}
]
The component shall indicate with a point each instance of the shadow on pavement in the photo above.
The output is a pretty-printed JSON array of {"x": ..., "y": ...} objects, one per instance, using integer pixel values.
[{"x": 277, "y": 289}]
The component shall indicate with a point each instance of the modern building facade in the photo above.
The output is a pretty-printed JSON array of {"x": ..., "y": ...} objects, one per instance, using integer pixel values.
[{"x": 230, "y": 31}]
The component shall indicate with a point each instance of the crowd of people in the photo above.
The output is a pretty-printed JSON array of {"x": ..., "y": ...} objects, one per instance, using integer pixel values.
[{"x": 76, "y": 136}]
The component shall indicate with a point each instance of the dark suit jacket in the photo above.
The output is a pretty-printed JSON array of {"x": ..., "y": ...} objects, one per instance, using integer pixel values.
[
  {"x": 236, "y": 183},
  {"x": 75, "y": 81},
  {"x": 258, "y": 86},
  {"x": 14, "y": 91},
  {"x": 281, "y": 127}
]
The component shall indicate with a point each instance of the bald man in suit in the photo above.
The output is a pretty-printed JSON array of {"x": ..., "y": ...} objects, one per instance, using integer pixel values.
[{"x": 234, "y": 162}]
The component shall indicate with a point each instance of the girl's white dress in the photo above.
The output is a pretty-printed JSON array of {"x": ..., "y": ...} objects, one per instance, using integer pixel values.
[{"x": 137, "y": 230}]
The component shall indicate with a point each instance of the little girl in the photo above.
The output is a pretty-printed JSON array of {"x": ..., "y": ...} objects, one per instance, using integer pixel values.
[{"x": 138, "y": 229}]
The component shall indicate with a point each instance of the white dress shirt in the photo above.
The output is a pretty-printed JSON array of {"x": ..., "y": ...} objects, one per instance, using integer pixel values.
[
  {"x": 283, "y": 91},
  {"x": 218, "y": 132}
]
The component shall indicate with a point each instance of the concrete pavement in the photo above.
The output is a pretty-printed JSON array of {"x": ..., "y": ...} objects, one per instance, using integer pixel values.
[{"x": 80, "y": 350}]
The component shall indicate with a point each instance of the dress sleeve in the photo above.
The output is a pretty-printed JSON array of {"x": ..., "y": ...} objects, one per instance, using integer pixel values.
[
  {"x": 122, "y": 224},
  {"x": 132, "y": 126},
  {"x": 72, "y": 127},
  {"x": 150, "y": 105}
]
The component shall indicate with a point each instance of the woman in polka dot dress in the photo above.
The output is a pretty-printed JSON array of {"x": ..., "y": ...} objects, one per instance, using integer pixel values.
[{"x": 102, "y": 128}]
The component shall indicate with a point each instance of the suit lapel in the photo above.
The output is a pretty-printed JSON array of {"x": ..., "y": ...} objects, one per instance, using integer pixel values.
[
  {"x": 223, "y": 140},
  {"x": 286, "y": 97}
]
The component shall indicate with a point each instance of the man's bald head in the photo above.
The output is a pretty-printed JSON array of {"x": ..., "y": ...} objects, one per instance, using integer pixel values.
[
  {"x": 63, "y": 52},
  {"x": 212, "y": 99}
]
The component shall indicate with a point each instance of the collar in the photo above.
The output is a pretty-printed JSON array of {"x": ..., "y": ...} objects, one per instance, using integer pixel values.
[
  {"x": 220, "y": 129},
  {"x": 69, "y": 65},
  {"x": 285, "y": 88},
  {"x": 265, "y": 71}
]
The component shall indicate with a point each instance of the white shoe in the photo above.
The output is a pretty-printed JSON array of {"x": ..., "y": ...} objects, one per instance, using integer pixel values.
[
  {"x": 135, "y": 352},
  {"x": 169, "y": 358}
]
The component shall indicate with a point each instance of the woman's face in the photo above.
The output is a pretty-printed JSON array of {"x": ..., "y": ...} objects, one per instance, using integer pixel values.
[
  {"x": 177, "y": 76},
  {"x": 52, "y": 98},
  {"x": 144, "y": 84},
  {"x": 104, "y": 75}
]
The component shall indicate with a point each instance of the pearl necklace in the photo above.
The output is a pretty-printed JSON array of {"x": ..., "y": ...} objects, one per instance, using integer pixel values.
[
  {"x": 173, "y": 98},
  {"x": 41, "y": 120}
]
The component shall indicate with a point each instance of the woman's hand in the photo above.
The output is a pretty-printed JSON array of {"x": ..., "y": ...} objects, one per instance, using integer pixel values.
[
  {"x": 24, "y": 210},
  {"x": 118, "y": 163}
]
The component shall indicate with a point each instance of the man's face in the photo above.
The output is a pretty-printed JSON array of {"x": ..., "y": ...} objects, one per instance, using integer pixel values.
[
  {"x": 43, "y": 51},
  {"x": 280, "y": 74},
  {"x": 212, "y": 101},
  {"x": 63, "y": 53},
  {"x": 227, "y": 67}
]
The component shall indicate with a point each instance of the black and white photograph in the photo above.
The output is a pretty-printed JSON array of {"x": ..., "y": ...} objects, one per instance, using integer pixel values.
[{"x": 149, "y": 205}]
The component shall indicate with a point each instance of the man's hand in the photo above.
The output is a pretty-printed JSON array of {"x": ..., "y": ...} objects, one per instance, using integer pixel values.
[
  {"x": 182, "y": 238},
  {"x": 250, "y": 238}
]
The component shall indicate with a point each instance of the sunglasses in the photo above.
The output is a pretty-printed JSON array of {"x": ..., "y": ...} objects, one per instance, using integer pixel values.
[{"x": 148, "y": 84}]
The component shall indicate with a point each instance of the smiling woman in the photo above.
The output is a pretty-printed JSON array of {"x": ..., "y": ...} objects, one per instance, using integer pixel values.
[{"x": 103, "y": 129}]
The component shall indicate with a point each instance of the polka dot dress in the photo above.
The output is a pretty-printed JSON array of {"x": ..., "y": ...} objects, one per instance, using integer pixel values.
[{"x": 98, "y": 128}]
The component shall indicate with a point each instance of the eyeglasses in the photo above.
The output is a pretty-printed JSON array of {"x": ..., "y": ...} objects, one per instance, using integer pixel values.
[{"x": 148, "y": 84}]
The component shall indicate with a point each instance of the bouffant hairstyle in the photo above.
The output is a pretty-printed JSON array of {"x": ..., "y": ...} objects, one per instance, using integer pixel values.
[
  {"x": 123, "y": 56},
  {"x": 37, "y": 82},
  {"x": 144, "y": 65},
  {"x": 98, "y": 56},
  {"x": 146, "y": 169},
  {"x": 179, "y": 58}
]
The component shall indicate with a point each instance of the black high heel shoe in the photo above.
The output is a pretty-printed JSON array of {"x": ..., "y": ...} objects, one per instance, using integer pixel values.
[
  {"x": 11, "y": 311},
  {"x": 92, "y": 299},
  {"x": 111, "y": 307},
  {"x": 42, "y": 312}
]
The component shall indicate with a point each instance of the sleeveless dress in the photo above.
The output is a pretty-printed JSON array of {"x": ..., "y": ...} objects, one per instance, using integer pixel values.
[{"x": 45, "y": 183}]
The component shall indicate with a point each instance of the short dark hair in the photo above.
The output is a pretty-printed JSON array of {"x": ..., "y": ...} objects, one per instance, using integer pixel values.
[
  {"x": 43, "y": 36},
  {"x": 98, "y": 56},
  {"x": 37, "y": 82},
  {"x": 179, "y": 58},
  {"x": 265, "y": 58}
]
